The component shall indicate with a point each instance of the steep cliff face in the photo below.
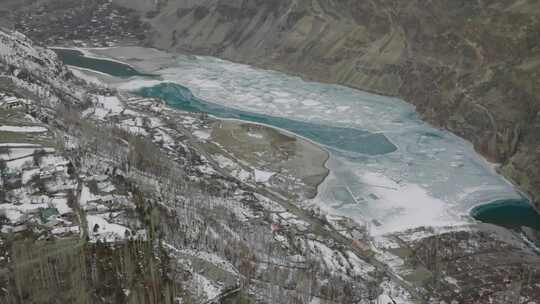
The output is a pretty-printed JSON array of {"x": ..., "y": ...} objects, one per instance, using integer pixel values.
[{"x": 472, "y": 67}]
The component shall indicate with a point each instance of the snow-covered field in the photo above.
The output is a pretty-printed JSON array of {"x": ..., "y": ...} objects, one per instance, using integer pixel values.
[
  {"x": 263, "y": 176},
  {"x": 202, "y": 135},
  {"x": 100, "y": 229},
  {"x": 104, "y": 106}
]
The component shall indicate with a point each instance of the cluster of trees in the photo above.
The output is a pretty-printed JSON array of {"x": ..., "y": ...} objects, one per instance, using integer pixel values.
[
  {"x": 197, "y": 220},
  {"x": 454, "y": 254},
  {"x": 3, "y": 172}
]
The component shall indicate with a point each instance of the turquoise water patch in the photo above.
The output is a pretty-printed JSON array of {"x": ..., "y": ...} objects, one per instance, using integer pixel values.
[
  {"x": 345, "y": 139},
  {"x": 113, "y": 68},
  {"x": 512, "y": 214}
]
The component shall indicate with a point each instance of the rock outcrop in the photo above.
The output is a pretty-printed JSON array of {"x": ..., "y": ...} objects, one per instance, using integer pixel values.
[{"x": 472, "y": 67}]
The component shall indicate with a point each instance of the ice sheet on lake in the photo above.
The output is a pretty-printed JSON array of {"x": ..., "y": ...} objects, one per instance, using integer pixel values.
[{"x": 433, "y": 179}]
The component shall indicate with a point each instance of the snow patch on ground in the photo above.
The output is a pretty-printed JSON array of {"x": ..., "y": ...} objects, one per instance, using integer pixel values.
[
  {"x": 393, "y": 294},
  {"x": 102, "y": 230},
  {"x": 18, "y": 129},
  {"x": 104, "y": 106},
  {"x": 17, "y": 145},
  {"x": 241, "y": 174},
  {"x": 360, "y": 268},
  {"x": 15, "y": 153},
  {"x": 262, "y": 176},
  {"x": 224, "y": 162},
  {"x": 205, "y": 286},
  {"x": 87, "y": 196},
  {"x": 66, "y": 230},
  {"x": 18, "y": 164},
  {"x": 203, "y": 135},
  {"x": 53, "y": 160},
  {"x": 137, "y": 83},
  {"x": 60, "y": 203},
  {"x": 29, "y": 174},
  {"x": 255, "y": 135},
  {"x": 17, "y": 212},
  {"x": 207, "y": 256}
]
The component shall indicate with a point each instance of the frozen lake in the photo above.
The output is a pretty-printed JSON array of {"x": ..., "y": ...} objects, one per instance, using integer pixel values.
[{"x": 388, "y": 168}]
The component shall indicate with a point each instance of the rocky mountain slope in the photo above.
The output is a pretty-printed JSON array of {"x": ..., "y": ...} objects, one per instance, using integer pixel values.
[{"x": 472, "y": 67}]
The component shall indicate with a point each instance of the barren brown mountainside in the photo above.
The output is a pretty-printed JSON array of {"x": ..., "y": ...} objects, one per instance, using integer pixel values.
[{"x": 472, "y": 67}]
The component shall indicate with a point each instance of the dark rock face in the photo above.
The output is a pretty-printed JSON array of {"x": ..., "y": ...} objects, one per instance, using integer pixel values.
[{"x": 472, "y": 67}]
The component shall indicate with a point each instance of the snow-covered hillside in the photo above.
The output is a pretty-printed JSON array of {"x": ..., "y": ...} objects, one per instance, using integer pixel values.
[
  {"x": 36, "y": 70},
  {"x": 18, "y": 50}
]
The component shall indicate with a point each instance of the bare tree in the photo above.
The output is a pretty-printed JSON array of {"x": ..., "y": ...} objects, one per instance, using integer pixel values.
[
  {"x": 3, "y": 169},
  {"x": 36, "y": 157}
]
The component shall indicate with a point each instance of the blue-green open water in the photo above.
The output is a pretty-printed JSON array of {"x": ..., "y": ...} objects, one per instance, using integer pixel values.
[
  {"x": 77, "y": 58},
  {"x": 508, "y": 213}
]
